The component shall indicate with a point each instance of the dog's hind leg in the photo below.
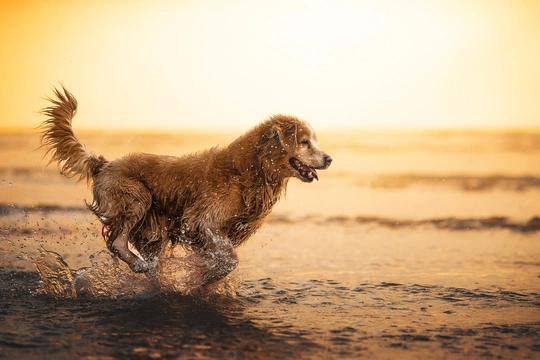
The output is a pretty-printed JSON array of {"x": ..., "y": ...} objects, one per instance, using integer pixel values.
[
  {"x": 119, "y": 231},
  {"x": 119, "y": 246}
]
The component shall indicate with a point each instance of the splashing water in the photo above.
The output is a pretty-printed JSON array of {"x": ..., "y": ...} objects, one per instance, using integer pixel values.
[
  {"x": 56, "y": 277},
  {"x": 106, "y": 279},
  {"x": 181, "y": 272},
  {"x": 178, "y": 272}
]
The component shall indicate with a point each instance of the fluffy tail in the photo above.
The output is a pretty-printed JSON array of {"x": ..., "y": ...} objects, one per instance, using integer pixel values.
[{"x": 60, "y": 141}]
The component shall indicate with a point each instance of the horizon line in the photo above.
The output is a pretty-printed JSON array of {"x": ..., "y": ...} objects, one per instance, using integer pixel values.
[{"x": 336, "y": 129}]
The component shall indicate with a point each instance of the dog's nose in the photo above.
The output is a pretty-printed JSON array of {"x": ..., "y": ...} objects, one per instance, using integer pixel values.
[{"x": 327, "y": 160}]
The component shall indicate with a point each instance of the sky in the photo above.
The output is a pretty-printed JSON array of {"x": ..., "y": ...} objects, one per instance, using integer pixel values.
[{"x": 172, "y": 65}]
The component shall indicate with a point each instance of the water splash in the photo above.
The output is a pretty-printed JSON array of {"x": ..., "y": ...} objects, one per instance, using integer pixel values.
[
  {"x": 56, "y": 277},
  {"x": 107, "y": 279},
  {"x": 179, "y": 272}
]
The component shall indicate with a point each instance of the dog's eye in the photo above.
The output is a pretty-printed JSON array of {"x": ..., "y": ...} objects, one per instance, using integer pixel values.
[{"x": 306, "y": 143}]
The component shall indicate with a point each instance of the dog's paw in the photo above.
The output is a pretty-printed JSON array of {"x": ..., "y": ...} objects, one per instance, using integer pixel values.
[
  {"x": 139, "y": 266},
  {"x": 217, "y": 273}
]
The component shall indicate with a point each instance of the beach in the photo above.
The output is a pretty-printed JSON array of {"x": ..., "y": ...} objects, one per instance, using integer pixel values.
[{"x": 412, "y": 245}]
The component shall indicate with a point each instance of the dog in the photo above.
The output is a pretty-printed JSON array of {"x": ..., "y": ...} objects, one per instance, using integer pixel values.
[{"x": 209, "y": 202}]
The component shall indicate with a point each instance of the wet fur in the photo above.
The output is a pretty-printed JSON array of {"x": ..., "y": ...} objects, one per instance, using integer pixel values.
[{"x": 209, "y": 202}]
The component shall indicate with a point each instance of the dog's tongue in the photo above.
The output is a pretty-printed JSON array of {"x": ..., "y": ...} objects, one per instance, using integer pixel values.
[{"x": 309, "y": 172}]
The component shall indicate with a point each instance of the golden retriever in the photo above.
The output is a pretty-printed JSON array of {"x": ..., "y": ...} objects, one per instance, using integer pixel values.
[{"x": 208, "y": 202}]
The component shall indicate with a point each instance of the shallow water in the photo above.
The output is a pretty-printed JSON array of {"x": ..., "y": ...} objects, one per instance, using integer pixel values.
[
  {"x": 409, "y": 247},
  {"x": 269, "y": 318}
]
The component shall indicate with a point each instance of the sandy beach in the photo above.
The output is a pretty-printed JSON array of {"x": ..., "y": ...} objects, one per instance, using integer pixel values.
[{"x": 421, "y": 245}]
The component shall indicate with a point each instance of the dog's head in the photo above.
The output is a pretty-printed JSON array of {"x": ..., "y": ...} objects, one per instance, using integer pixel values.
[{"x": 303, "y": 157}]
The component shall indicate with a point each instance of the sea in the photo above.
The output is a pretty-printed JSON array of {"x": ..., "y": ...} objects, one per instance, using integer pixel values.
[{"x": 412, "y": 245}]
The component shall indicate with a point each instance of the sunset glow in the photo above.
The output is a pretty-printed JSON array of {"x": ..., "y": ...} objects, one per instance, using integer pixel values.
[{"x": 211, "y": 64}]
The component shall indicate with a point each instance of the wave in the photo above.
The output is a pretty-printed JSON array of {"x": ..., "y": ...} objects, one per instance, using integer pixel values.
[
  {"x": 449, "y": 223},
  {"x": 35, "y": 175},
  {"x": 9, "y": 209},
  {"x": 461, "y": 182}
]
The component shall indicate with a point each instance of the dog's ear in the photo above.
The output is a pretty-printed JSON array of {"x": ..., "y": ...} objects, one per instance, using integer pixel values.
[{"x": 286, "y": 132}]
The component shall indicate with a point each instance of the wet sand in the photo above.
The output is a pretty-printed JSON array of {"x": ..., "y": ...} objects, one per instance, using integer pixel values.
[{"x": 413, "y": 260}]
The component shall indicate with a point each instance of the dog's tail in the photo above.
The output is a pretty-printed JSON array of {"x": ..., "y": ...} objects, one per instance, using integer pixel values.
[{"x": 60, "y": 141}]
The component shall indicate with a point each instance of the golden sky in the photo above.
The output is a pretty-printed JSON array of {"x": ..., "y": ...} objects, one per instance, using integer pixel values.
[{"x": 163, "y": 65}]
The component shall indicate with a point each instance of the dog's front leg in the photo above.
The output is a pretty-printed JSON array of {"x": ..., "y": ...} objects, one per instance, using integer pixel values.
[{"x": 220, "y": 258}]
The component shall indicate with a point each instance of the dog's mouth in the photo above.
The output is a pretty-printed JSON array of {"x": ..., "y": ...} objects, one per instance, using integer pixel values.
[{"x": 307, "y": 173}]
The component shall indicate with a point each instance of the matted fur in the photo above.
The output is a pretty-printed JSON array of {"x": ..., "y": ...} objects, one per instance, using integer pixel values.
[{"x": 209, "y": 202}]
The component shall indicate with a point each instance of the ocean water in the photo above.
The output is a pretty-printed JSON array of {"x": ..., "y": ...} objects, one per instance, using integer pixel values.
[{"x": 418, "y": 245}]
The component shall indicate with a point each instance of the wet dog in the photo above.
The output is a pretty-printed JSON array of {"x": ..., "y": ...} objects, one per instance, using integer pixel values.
[{"x": 209, "y": 202}]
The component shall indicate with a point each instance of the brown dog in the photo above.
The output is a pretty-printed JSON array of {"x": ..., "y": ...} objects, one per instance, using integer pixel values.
[{"x": 209, "y": 202}]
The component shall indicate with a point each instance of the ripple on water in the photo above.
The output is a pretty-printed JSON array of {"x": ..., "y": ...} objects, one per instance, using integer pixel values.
[{"x": 117, "y": 313}]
